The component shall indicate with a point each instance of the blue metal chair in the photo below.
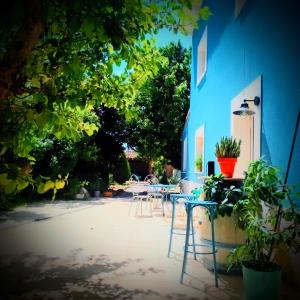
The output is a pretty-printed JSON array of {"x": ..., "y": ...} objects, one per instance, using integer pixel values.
[
  {"x": 175, "y": 199},
  {"x": 211, "y": 208}
]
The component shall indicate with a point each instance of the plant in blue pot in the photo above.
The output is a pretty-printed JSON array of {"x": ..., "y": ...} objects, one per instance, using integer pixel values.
[{"x": 257, "y": 212}]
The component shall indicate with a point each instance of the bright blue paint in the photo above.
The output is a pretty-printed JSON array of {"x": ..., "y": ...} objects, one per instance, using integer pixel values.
[{"x": 263, "y": 40}]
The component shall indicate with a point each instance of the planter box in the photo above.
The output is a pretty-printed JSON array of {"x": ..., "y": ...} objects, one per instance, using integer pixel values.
[{"x": 227, "y": 237}]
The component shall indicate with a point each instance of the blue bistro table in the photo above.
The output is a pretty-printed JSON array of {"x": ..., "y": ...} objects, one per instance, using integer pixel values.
[
  {"x": 211, "y": 207},
  {"x": 161, "y": 191},
  {"x": 175, "y": 199}
]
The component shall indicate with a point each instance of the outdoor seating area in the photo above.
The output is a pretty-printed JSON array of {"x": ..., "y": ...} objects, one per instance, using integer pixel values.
[
  {"x": 148, "y": 196},
  {"x": 149, "y": 150}
]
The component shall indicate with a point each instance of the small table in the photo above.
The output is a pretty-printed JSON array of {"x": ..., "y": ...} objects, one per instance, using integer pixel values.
[{"x": 158, "y": 190}]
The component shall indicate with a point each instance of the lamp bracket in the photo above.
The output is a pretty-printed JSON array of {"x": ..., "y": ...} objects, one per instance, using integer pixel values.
[{"x": 256, "y": 100}]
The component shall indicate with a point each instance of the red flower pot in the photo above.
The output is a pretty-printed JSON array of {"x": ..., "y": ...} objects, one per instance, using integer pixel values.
[{"x": 227, "y": 165}]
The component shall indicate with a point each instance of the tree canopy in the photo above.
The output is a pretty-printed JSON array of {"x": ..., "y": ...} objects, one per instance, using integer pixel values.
[
  {"x": 163, "y": 104},
  {"x": 56, "y": 63}
]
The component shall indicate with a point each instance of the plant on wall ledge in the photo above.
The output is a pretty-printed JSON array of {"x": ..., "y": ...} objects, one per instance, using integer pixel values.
[
  {"x": 216, "y": 189},
  {"x": 227, "y": 151},
  {"x": 199, "y": 163}
]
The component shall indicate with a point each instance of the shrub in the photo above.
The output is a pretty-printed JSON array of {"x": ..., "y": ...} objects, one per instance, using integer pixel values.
[
  {"x": 98, "y": 185},
  {"x": 121, "y": 169}
]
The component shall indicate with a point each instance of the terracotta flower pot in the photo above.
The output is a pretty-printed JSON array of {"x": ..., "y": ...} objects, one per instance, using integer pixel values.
[
  {"x": 108, "y": 193},
  {"x": 227, "y": 165}
]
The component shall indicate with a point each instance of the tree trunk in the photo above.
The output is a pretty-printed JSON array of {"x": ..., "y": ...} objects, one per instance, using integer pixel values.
[{"x": 18, "y": 52}]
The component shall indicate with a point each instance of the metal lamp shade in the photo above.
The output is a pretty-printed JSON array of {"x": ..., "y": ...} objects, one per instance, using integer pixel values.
[{"x": 244, "y": 110}]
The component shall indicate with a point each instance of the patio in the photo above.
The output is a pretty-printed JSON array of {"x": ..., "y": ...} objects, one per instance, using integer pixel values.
[{"x": 94, "y": 250}]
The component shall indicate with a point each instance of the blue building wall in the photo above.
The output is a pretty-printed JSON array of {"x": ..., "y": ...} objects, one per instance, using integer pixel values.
[{"x": 263, "y": 40}]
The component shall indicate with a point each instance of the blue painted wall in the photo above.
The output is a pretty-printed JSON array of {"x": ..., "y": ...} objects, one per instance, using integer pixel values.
[{"x": 263, "y": 40}]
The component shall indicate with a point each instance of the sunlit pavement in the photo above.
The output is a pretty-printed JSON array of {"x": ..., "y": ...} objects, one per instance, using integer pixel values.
[{"x": 96, "y": 250}]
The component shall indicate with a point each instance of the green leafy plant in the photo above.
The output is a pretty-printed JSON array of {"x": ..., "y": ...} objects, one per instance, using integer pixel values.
[
  {"x": 258, "y": 211},
  {"x": 199, "y": 163},
  {"x": 158, "y": 127},
  {"x": 228, "y": 147},
  {"x": 217, "y": 189}
]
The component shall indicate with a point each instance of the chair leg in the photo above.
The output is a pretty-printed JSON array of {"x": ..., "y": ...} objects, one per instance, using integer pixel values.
[
  {"x": 186, "y": 245},
  {"x": 214, "y": 249},
  {"x": 162, "y": 204},
  {"x": 138, "y": 206},
  {"x": 149, "y": 205},
  {"x": 130, "y": 207},
  {"x": 172, "y": 227}
]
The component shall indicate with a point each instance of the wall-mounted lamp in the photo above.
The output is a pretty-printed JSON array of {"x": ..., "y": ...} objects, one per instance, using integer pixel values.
[{"x": 244, "y": 108}]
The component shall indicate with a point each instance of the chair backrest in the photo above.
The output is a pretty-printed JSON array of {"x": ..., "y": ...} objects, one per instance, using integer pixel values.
[
  {"x": 151, "y": 179},
  {"x": 134, "y": 178},
  {"x": 187, "y": 186}
]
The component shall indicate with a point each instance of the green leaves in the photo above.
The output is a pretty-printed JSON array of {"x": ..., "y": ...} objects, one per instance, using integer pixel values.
[
  {"x": 228, "y": 147},
  {"x": 71, "y": 69},
  {"x": 160, "y": 112},
  {"x": 258, "y": 210},
  {"x": 45, "y": 186}
]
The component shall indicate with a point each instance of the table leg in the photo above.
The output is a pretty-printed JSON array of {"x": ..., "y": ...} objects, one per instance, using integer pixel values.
[
  {"x": 172, "y": 226},
  {"x": 187, "y": 236},
  {"x": 193, "y": 236},
  {"x": 214, "y": 248}
]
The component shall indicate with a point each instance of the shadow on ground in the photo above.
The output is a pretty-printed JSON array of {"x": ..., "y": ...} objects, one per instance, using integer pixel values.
[{"x": 31, "y": 276}]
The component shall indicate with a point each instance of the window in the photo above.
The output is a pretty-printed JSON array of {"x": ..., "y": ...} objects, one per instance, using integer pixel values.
[
  {"x": 184, "y": 162},
  {"x": 199, "y": 150},
  {"x": 202, "y": 56},
  {"x": 238, "y": 7}
]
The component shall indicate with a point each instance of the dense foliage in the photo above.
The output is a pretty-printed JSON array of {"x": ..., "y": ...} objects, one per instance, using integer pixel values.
[
  {"x": 225, "y": 193},
  {"x": 258, "y": 211},
  {"x": 121, "y": 169},
  {"x": 56, "y": 63},
  {"x": 163, "y": 104}
]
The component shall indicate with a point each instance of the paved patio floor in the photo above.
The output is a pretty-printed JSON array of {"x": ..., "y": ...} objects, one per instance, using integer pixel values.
[{"x": 95, "y": 250}]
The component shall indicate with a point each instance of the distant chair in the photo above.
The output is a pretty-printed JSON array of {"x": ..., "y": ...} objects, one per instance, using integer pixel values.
[
  {"x": 134, "y": 178},
  {"x": 142, "y": 198},
  {"x": 152, "y": 179}
]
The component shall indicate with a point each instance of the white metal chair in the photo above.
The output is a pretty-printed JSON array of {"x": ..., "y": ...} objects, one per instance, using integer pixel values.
[{"x": 142, "y": 199}]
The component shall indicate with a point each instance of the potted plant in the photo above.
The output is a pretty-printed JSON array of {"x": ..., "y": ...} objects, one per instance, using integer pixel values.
[
  {"x": 227, "y": 151},
  {"x": 199, "y": 163},
  {"x": 257, "y": 212}
]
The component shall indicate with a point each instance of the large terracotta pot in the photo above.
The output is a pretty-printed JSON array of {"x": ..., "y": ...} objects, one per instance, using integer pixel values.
[
  {"x": 227, "y": 237},
  {"x": 227, "y": 165}
]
